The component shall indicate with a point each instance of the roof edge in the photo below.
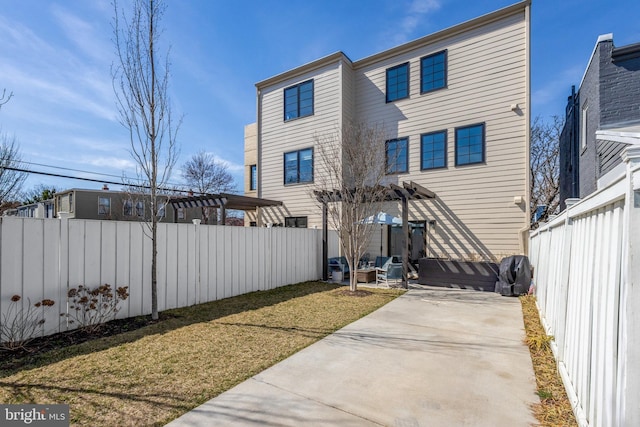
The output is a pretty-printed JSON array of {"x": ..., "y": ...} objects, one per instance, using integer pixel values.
[
  {"x": 309, "y": 66},
  {"x": 629, "y": 51},
  {"x": 446, "y": 33},
  {"x": 430, "y": 38},
  {"x": 601, "y": 38}
]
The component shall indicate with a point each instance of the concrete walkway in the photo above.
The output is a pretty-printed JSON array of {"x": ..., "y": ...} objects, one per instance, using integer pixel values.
[{"x": 433, "y": 357}]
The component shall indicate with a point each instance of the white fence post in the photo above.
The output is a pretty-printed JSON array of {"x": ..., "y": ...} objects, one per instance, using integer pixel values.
[{"x": 629, "y": 346}]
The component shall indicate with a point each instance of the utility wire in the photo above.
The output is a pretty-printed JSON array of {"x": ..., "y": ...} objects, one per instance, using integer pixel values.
[
  {"x": 81, "y": 170},
  {"x": 57, "y": 175}
]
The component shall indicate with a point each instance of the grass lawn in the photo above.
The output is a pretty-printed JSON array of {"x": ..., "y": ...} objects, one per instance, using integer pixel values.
[{"x": 152, "y": 375}]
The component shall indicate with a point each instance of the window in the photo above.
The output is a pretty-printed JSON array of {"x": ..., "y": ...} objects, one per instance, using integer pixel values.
[
  {"x": 253, "y": 178},
  {"x": 470, "y": 144},
  {"x": 433, "y": 150},
  {"x": 433, "y": 72},
  {"x": 584, "y": 128},
  {"x": 70, "y": 202},
  {"x": 127, "y": 207},
  {"x": 298, "y": 100},
  {"x": 397, "y": 156},
  {"x": 162, "y": 210},
  {"x": 139, "y": 208},
  {"x": 296, "y": 221},
  {"x": 104, "y": 205},
  {"x": 398, "y": 82},
  {"x": 180, "y": 213},
  {"x": 298, "y": 166}
]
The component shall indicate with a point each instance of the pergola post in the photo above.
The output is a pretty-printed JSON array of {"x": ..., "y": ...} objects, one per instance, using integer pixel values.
[{"x": 405, "y": 242}]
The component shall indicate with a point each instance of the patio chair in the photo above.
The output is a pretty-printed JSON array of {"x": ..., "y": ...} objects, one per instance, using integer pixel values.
[
  {"x": 390, "y": 272},
  {"x": 338, "y": 264},
  {"x": 380, "y": 261}
]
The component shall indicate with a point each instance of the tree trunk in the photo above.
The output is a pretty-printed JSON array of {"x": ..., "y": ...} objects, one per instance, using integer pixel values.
[{"x": 154, "y": 271}]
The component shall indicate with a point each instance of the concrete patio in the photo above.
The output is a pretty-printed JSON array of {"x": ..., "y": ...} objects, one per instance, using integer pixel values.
[{"x": 432, "y": 357}]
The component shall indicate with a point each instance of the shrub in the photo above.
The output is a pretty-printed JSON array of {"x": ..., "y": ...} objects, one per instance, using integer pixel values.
[
  {"x": 90, "y": 308},
  {"x": 20, "y": 324}
]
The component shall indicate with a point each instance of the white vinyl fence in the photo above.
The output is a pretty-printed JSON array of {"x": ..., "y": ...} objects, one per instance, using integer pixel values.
[
  {"x": 43, "y": 258},
  {"x": 587, "y": 278}
]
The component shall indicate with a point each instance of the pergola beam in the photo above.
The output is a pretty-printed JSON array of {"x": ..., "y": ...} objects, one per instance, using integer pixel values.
[{"x": 408, "y": 191}]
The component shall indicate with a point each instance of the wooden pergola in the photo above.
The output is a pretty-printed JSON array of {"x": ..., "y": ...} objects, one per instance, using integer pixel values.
[
  {"x": 223, "y": 201},
  {"x": 408, "y": 191}
]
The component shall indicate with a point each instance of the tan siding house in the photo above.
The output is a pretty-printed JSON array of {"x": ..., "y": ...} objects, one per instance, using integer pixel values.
[{"x": 462, "y": 121}]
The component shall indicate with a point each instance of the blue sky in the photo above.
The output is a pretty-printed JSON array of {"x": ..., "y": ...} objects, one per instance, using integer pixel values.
[{"x": 55, "y": 57}]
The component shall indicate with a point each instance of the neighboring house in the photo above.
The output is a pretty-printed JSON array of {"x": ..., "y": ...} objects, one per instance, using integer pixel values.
[
  {"x": 106, "y": 204},
  {"x": 602, "y": 118},
  {"x": 44, "y": 209},
  {"x": 456, "y": 107}
]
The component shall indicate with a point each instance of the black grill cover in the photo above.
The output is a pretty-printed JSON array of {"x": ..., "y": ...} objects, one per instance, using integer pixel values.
[{"x": 514, "y": 277}]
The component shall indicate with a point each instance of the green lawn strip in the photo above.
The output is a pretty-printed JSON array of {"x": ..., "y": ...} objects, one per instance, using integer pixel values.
[{"x": 154, "y": 374}]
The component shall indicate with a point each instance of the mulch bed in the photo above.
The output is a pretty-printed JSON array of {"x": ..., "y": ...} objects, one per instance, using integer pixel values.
[{"x": 15, "y": 358}]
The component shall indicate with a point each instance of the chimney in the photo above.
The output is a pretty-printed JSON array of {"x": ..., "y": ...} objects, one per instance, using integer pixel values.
[{"x": 105, "y": 187}]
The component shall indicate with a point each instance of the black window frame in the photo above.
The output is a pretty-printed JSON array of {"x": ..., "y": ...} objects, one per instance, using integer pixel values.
[
  {"x": 253, "y": 177},
  {"x": 387, "y": 94},
  {"x": 297, "y": 152},
  {"x": 386, "y": 156},
  {"x": 444, "y": 53},
  {"x": 484, "y": 143},
  {"x": 139, "y": 208},
  {"x": 445, "y": 149},
  {"x": 298, "y": 222},
  {"x": 297, "y": 87}
]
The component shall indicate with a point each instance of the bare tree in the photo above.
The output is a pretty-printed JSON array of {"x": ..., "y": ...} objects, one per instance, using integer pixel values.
[
  {"x": 5, "y": 97},
  {"x": 349, "y": 174},
  {"x": 544, "y": 167},
  {"x": 207, "y": 175},
  {"x": 11, "y": 180},
  {"x": 141, "y": 81}
]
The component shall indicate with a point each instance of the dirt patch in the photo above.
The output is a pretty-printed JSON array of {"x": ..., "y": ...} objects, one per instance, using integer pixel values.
[{"x": 13, "y": 359}]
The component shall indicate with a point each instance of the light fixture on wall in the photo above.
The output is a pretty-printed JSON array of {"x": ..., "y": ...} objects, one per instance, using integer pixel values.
[
  {"x": 514, "y": 107},
  {"x": 518, "y": 200}
]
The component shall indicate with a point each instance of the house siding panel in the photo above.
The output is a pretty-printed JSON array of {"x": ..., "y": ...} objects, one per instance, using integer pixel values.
[
  {"x": 486, "y": 75},
  {"x": 279, "y": 137},
  {"x": 488, "y": 71}
]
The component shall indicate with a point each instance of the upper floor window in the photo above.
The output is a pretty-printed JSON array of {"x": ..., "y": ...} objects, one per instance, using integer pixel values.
[
  {"x": 398, "y": 82},
  {"x": 162, "y": 210},
  {"x": 433, "y": 150},
  {"x": 104, "y": 205},
  {"x": 397, "y": 155},
  {"x": 253, "y": 177},
  {"x": 298, "y": 100},
  {"x": 433, "y": 72},
  {"x": 470, "y": 144},
  {"x": 127, "y": 207},
  {"x": 298, "y": 166},
  {"x": 140, "y": 208},
  {"x": 180, "y": 213},
  {"x": 296, "y": 221}
]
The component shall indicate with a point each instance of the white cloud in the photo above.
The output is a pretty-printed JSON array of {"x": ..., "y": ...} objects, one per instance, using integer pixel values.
[
  {"x": 417, "y": 12},
  {"x": 109, "y": 162},
  {"x": 80, "y": 33},
  {"x": 557, "y": 90}
]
